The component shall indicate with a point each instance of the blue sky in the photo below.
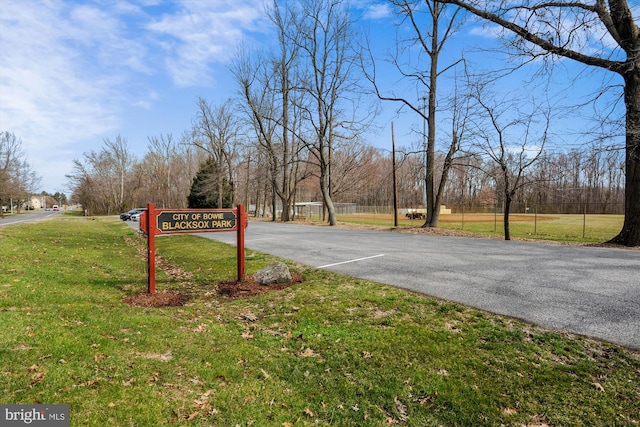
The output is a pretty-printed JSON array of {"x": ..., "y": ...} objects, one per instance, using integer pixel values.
[{"x": 73, "y": 73}]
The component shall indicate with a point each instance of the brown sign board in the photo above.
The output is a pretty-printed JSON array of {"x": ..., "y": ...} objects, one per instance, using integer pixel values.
[
  {"x": 160, "y": 221},
  {"x": 195, "y": 221}
]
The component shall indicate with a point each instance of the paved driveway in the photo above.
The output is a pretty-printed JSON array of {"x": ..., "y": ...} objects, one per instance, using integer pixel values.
[{"x": 586, "y": 290}]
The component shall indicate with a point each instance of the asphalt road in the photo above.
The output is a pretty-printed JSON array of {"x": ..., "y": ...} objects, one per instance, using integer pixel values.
[
  {"x": 589, "y": 291},
  {"x": 28, "y": 216}
]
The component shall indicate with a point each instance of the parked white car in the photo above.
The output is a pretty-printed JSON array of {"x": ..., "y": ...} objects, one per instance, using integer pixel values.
[{"x": 127, "y": 215}]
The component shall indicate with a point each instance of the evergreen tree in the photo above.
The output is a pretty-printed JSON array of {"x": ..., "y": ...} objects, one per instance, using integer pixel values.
[{"x": 210, "y": 189}]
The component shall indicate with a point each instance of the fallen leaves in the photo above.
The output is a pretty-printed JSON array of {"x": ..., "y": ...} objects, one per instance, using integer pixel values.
[
  {"x": 307, "y": 353},
  {"x": 249, "y": 317},
  {"x": 509, "y": 411},
  {"x": 401, "y": 408},
  {"x": 202, "y": 402},
  {"x": 201, "y": 407},
  {"x": 202, "y": 327},
  {"x": 23, "y": 347},
  {"x": 37, "y": 378},
  {"x": 266, "y": 375},
  {"x": 166, "y": 357},
  {"x": 37, "y": 374},
  {"x": 129, "y": 382}
]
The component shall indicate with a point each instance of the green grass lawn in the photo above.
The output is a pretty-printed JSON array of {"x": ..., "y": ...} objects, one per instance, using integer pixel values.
[{"x": 329, "y": 351}]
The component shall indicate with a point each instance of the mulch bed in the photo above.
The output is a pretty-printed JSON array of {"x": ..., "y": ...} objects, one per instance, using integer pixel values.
[
  {"x": 230, "y": 289},
  {"x": 250, "y": 287}
]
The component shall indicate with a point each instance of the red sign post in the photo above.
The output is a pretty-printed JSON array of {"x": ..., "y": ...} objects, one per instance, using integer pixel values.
[{"x": 189, "y": 221}]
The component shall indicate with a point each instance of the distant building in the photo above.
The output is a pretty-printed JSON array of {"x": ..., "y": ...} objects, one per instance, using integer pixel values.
[
  {"x": 41, "y": 202},
  {"x": 35, "y": 202}
]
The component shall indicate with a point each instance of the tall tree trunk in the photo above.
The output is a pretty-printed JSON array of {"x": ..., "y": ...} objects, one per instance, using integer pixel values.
[
  {"x": 446, "y": 167},
  {"x": 433, "y": 211},
  {"x": 507, "y": 210},
  {"x": 273, "y": 204},
  {"x": 327, "y": 197},
  {"x": 630, "y": 233}
]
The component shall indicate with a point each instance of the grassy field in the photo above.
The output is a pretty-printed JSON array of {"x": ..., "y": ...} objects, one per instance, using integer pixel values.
[
  {"x": 563, "y": 228},
  {"x": 329, "y": 351}
]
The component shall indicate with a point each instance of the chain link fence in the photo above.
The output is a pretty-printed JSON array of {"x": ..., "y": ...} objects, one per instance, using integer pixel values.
[{"x": 561, "y": 221}]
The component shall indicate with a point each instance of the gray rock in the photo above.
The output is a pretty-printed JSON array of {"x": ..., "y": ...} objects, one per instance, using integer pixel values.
[{"x": 276, "y": 272}]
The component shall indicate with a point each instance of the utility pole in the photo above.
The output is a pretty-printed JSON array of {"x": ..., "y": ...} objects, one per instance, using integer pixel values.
[
  {"x": 424, "y": 153},
  {"x": 395, "y": 185}
]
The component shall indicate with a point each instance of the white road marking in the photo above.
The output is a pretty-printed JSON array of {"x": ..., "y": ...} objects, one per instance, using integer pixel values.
[{"x": 351, "y": 260}]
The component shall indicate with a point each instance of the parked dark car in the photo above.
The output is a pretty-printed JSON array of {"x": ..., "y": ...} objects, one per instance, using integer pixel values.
[{"x": 127, "y": 215}]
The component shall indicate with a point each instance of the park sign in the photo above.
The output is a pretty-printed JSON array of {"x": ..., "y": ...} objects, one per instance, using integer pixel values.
[
  {"x": 155, "y": 222},
  {"x": 196, "y": 221}
]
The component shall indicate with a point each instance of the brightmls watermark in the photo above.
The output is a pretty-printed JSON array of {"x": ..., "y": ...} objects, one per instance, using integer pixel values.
[{"x": 34, "y": 415}]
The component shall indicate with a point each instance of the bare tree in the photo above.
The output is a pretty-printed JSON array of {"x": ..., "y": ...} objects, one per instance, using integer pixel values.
[
  {"x": 271, "y": 95},
  {"x": 120, "y": 160},
  {"x": 17, "y": 178},
  {"x": 100, "y": 179},
  {"x": 513, "y": 140},
  {"x": 459, "y": 108},
  {"x": 260, "y": 106},
  {"x": 576, "y": 30},
  {"x": 285, "y": 63},
  {"x": 325, "y": 40},
  {"x": 216, "y": 131},
  {"x": 81, "y": 182},
  {"x": 170, "y": 166},
  {"x": 302, "y": 96},
  {"x": 352, "y": 167},
  {"x": 10, "y": 155},
  {"x": 431, "y": 26},
  {"x": 92, "y": 179}
]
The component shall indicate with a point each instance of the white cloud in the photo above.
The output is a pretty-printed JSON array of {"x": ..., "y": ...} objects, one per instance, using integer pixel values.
[
  {"x": 63, "y": 66},
  {"x": 202, "y": 33},
  {"x": 378, "y": 11},
  {"x": 147, "y": 101},
  {"x": 45, "y": 82}
]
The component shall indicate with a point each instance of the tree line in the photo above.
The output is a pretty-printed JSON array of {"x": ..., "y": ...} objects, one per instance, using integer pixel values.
[{"x": 113, "y": 180}]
